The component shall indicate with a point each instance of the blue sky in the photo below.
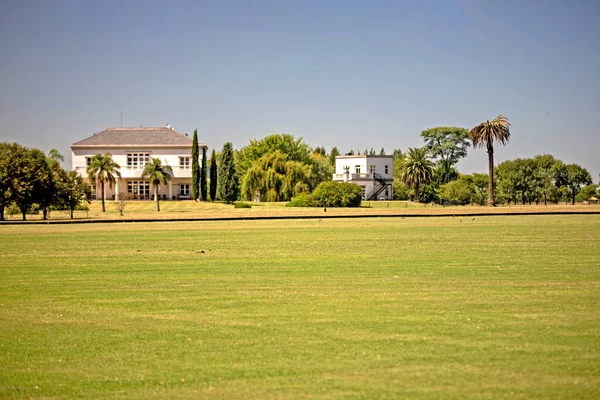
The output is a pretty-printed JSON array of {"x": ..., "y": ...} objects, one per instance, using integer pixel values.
[{"x": 351, "y": 74}]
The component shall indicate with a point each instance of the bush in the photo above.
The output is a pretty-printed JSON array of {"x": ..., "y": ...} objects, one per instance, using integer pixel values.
[
  {"x": 455, "y": 192},
  {"x": 242, "y": 205},
  {"x": 302, "y": 200},
  {"x": 337, "y": 194}
]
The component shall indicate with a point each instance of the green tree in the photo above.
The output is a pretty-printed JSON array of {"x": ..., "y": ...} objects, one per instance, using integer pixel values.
[
  {"x": 103, "y": 169},
  {"x": 546, "y": 167},
  {"x": 195, "y": 166},
  {"x": 50, "y": 195},
  {"x": 72, "y": 191},
  {"x": 397, "y": 154},
  {"x": 32, "y": 181},
  {"x": 587, "y": 192},
  {"x": 485, "y": 134},
  {"x": 448, "y": 144},
  {"x": 321, "y": 170},
  {"x": 416, "y": 169},
  {"x": 203, "y": 186},
  {"x": 573, "y": 177},
  {"x": 337, "y": 194},
  {"x": 156, "y": 174},
  {"x": 275, "y": 178},
  {"x": 10, "y": 154},
  {"x": 333, "y": 154},
  {"x": 320, "y": 151},
  {"x": 456, "y": 192},
  {"x": 382, "y": 152},
  {"x": 480, "y": 186},
  {"x": 294, "y": 149},
  {"x": 228, "y": 188},
  {"x": 213, "y": 176}
]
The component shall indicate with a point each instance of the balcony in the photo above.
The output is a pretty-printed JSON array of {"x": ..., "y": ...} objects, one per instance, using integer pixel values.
[{"x": 361, "y": 177}]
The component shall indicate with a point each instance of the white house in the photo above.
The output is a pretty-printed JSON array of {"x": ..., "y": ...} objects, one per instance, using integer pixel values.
[
  {"x": 132, "y": 149},
  {"x": 372, "y": 173}
]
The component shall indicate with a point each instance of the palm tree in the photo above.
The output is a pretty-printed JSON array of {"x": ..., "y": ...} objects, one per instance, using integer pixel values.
[
  {"x": 103, "y": 169},
  {"x": 156, "y": 174},
  {"x": 485, "y": 134},
  {"x": 416, "y": 168}
]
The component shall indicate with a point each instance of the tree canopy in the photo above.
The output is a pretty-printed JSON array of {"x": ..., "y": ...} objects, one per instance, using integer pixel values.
[{"x": 447, "y": 143}]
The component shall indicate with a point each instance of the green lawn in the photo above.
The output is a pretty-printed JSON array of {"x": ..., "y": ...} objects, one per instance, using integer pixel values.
[{"x": 453, "y": 308}]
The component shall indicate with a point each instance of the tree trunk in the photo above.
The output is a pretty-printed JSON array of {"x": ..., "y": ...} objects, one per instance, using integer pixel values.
[
  {"x": 102, "y": 184},
  {"x": 156, "y": 198},
  {"x": 490, "y": 151},
  {"x": 2, "y": 212},
  {"x": 24, "y": 215},
  {"x": 44, "y": 213},
  {"x": 72, "y": 213},
  {"x": 417, "y": 192}
]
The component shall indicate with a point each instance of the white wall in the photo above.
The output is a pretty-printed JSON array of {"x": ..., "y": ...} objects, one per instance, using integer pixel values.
[{"x": 168, "y": 155}]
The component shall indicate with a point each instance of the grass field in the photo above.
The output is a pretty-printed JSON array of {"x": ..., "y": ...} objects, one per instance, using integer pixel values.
[
  {"x": 187, "y": 209},
  {"x": 454, "y": 308}
]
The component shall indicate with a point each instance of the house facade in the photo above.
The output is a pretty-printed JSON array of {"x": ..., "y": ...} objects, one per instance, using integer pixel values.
[
  {"x": 132, "y": 149},
  {"x": 372, "y": 173}
]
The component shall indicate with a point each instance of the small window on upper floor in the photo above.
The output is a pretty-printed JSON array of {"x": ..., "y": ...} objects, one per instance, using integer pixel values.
[
  {"x": 357, "y": 169},
  {"x": 88, "y": 161},
  {"x": 386, "y": 170},
  {"x": 185, "y": 162},
  {"x": 372, "y": 169}
]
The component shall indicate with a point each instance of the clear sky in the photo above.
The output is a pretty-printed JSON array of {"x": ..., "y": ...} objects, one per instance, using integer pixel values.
[{"x": 351, "y": 74}]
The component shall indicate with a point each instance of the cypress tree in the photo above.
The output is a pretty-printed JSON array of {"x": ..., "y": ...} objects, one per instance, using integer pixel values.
[
  {"x": 195, "y": 166},
  {"x": 203, "y": 176},
  {"x": 228, "y": 185},
  {"x": 213, "y": 176}
]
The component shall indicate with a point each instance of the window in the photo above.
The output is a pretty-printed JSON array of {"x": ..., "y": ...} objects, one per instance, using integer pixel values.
[
  {"x": 137, "y": 160},
  {"x": 139, "y": 190},
  {"x": 185, "y": 162},
  {"x": 386, "y": 170},
  {"x": 184, "y": 190},
  {"x": 357, "y": 169},
  {"x": 386, "y": 193},
  {"x": 88, "y": 161},
  {"x": 372, "y": 169},
  {"x": 364, "y": 192}
]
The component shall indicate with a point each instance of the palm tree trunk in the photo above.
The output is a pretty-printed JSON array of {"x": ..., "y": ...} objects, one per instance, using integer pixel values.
[
  {"x": 490, "y": 151},
  {"x": 156, "y": 198},
  {"x": 417, "y": 192},
  {"x": 102, "y": 184}
]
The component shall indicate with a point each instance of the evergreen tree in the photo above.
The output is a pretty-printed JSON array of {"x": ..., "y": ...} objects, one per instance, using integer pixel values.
[
  {"x": 228, "y": 183},
  {"x": 213, "y": 176},
  {"x": 334, "y": 153},
  {"x": 195, "y": 166},
  {"x": 382, "y": 152},
  {"x": 203, "y": 176}
]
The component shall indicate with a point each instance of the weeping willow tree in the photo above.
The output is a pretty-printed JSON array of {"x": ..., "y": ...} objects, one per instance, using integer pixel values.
[{"x": 275, "y": 178}]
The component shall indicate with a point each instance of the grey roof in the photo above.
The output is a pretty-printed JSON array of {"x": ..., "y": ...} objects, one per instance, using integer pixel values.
[{"x": 137, "y": 137}]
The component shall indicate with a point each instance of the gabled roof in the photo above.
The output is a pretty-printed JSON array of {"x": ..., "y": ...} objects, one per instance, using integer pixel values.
[{"x": 163, "y": 136}]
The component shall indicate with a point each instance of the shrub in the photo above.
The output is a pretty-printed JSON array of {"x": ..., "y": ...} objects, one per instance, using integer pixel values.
[
  {"x": 337, "y": 194},
  {"x": 455, "y": 192},
  {"x": 242, "y": 205},
  {"x": 302, "y": 200}
]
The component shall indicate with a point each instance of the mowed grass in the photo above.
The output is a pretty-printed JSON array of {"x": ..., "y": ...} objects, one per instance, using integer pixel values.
[
  {"x": 453, "y": 308},
  {"x": 189, "y": 209}
]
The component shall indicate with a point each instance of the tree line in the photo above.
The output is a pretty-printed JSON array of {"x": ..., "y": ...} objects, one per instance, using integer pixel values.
[
  {"x": 429, "y": 173},
  {"x": 31, "y": 180},
  {"x": 280, "y": 167}
]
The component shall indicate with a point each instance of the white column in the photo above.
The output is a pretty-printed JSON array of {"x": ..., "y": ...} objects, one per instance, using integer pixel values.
[
  {"x": 117, "y": 189},
  {"x": 170, "y": 190}
]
